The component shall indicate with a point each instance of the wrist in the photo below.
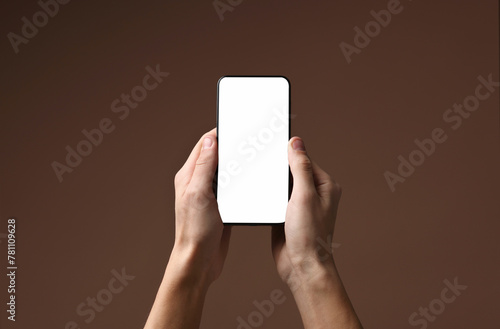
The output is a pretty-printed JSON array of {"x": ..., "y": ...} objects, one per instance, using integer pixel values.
[
  {"x": 186, "y": 270},
  {"x": 180, "y": 298},
  {"x": 313, "y": 275},
  {"x": 318, "y": 290}
]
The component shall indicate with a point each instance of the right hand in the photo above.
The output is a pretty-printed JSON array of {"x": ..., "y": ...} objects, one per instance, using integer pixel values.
[{"x": 299, "y": 245}]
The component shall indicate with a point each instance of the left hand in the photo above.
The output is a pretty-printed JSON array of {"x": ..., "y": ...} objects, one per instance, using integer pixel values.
[{"x": 201, "y": 240}]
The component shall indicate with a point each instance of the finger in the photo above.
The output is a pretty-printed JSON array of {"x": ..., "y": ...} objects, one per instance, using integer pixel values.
[
  {"x": 205, "y": 166},
  {"x": 322, "y": 181},
  {"x": 187, "y": 169},
  {"x": 328, "y": 190},
  {"x": 300, "y": 166}
]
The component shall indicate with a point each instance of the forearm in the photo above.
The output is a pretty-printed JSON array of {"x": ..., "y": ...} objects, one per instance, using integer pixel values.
[
  {"x": 322, "y": 300},
  {"x": 180, "y": 298}
]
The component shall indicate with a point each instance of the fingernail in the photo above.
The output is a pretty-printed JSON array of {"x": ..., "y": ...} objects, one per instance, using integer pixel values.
[
  {"x": 298, "y": 145},
  {"x": 207, "y": 143}
]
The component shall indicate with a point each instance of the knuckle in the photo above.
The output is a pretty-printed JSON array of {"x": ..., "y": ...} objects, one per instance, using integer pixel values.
[
  {"x": 332, "y": 186},
  {"x": 329, "y": 181},
  {"x": 203, "y": 159},
  {"x": 306, "y": 197},
  {"x": 305, "y": 164},
  {"x": 197, "y": 199}
]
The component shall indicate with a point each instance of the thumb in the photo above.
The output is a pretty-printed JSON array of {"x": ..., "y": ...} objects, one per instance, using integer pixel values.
[
  {"x": 301, "y": 166},
  {"x": 205, "y": 165}
]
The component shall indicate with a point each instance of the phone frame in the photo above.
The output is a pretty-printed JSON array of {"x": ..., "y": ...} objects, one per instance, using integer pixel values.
[{"x": 290, "y": 177}]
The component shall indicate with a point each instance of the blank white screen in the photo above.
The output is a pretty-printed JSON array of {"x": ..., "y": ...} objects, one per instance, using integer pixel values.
[{"x": 253, "y": 135}]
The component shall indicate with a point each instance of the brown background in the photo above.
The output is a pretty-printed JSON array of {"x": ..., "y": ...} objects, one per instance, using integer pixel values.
[{"x": 116, "y": 209}]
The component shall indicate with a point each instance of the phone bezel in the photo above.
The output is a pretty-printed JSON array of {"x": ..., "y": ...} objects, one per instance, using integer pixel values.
[{"x": 290, "y": 177}]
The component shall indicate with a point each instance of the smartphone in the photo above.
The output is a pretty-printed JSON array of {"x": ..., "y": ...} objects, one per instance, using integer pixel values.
[{"x": 252, "y": 182}]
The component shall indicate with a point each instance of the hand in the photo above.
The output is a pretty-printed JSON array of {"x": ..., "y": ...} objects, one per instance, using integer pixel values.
[
  {"x": 201, "y": 243},
  {"x": 200, "y": 234},
  {"x": 302, "y": 247},
  {"x": 310, "y": 219}
]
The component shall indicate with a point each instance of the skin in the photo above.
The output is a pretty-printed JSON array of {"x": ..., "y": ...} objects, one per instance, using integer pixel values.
[{"x": 201, "y": 244}]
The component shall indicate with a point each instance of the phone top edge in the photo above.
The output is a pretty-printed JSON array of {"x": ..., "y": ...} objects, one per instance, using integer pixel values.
[{"x": 253, "y": 76}]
